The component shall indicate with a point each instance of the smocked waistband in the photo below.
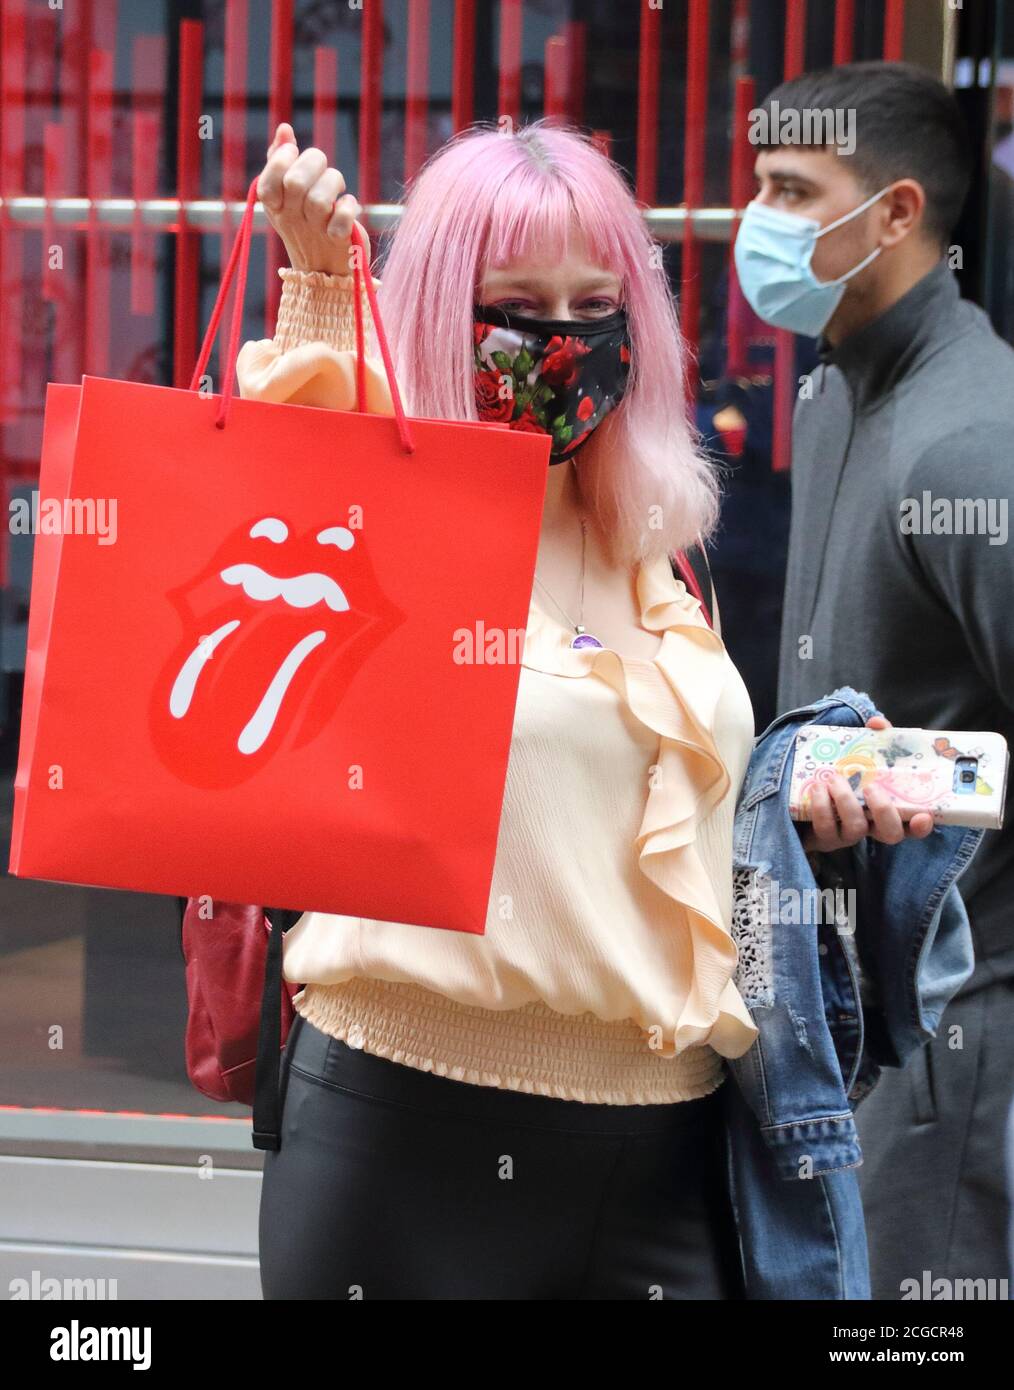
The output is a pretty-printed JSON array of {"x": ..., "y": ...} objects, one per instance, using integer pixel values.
[{"x": 531, "y": 1049}]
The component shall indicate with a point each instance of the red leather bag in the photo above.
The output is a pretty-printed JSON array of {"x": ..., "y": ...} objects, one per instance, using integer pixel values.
[{"x": 225, "y": 948}]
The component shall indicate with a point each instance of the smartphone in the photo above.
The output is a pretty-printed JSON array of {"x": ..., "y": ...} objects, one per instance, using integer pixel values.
[{"x": 960, "y": 777}]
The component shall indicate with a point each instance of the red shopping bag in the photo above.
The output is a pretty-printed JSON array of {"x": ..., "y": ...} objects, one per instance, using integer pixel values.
[{"x": 287, "y": 674}]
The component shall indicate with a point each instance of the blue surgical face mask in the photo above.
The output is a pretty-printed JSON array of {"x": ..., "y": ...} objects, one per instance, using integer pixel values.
[{"x": 773, "y": 253}]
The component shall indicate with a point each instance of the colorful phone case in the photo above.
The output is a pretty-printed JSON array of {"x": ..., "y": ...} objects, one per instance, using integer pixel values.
[{"x": 960, "y": 777}]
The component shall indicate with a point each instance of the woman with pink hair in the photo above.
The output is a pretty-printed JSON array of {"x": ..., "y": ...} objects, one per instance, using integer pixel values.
[{"x": 534, "y": 1113}]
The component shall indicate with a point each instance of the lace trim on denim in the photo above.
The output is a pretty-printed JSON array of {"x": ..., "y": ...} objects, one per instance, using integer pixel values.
[{"x": 751, "y": 931}]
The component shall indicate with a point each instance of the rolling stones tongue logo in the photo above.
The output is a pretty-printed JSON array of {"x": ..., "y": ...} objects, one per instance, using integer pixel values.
[{"x": 274, "y": 630}]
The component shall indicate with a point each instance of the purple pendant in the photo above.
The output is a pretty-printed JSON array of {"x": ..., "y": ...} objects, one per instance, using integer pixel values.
[{"x": 585, "y": 639}]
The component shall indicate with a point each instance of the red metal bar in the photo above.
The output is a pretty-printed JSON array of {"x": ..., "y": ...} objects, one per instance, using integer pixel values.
[
  {"x": 68, "y": 356},
  {"x": 417, "y": 85},
  {"x": 785, "y": 343},
  {"x": 695, "y": 134},
  {"x": 649, "y": 54},
  {"x": 556, "y": 82},
  {"x": 12, "y": 181},
  {"x": 739, "y": 40},
  {"x": 53, "y": 186},
  {"x": 188, "y": 183},
  {"x": 894, "y": 31},
  {"x": 234, "y": 88},
  {"x": 325, "y": 102},
  {"x": 741, "y": 186},
  {"x": 147, "y": 134},
  {"x": 463, "y": 75},
  {"x": 371, "y": 74},
  {"x": 99, "y": 176},
  {"x": 844, "y": 31},
  {"x": 576, "y": 33},
  {"x": 147, "y": 66},
  {"x": 234, "y": 94},
  {"x": 603, "y": 141},
  {"x": 795, "y": 37},
  {"x": 279, "y": 109},
  {"x": 509, "y": 93}
]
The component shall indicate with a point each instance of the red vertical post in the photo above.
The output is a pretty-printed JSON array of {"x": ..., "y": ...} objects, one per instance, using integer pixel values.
[
  {"x": 648, "y": 58},
  {"x": 371, "y": 80},
  {"x": 188, "y": 183},
  {"x": 99, "y": 174},
  {"x": 325, "y": 102},
  {"x": 576, "y": 33},
  {"x": 147, "y": 65},
  {"x": 417, "y": 85},
  {"x": 695, "y": 134},
  {"x": 894, "y": 30},
  {"x": 740, "y": 193},
  {"x": 557, "y": 79},
  {"x": 509, "y": 91},
  {"x": 75, "y": 49},
  {"x": 739, "y": 41},
  {"x": 844, "y": 31},
  {"x": 603, "y": 141},
  {"x": 234, "y": 88},
  {"x": 463, "y": 71},
  {"x": 53, "y": 186},
  {"x": 785, "y": 342},
  {"x": 12, "y": 182},
  {"x": 279, "y": 109}
]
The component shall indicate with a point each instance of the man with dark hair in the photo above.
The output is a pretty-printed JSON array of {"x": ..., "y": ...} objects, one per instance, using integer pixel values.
[{"x": 900, "y": 577}]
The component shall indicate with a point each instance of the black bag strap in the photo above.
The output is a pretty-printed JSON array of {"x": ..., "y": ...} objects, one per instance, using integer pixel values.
[
  {"x": 697, "y": 559},
  {"x": 267, "y": 1113}
]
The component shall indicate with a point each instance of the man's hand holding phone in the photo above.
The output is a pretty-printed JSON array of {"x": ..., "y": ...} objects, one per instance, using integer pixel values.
[{"x": 839, "y": 819}]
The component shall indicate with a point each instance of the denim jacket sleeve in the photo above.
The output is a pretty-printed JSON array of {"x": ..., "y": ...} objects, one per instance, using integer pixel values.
[{"x": 908, "y": 977}]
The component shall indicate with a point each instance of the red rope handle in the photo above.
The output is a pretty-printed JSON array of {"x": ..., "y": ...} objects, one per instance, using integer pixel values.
[
  {"x": 237, "y": 267},
  {"x": 408, "y": 444}
]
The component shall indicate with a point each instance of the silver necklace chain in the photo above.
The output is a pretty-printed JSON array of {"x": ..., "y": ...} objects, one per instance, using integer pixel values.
[{"x": 579, "y": 626}]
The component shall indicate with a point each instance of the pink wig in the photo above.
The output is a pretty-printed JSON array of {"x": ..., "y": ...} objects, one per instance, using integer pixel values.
[{"x": 486, "y": 198}]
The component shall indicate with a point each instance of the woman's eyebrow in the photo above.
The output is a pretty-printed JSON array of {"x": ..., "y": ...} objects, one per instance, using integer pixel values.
[{"x": 521, "y": 282}]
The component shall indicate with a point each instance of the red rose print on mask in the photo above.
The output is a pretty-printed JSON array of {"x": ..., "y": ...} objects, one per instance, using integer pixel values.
[
  {"x": 559, "y": 366},
  {"x": 274, "y": 630}
]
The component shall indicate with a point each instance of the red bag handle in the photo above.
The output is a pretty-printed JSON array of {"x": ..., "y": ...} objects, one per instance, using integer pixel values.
[{"x": 239, "y": 259}]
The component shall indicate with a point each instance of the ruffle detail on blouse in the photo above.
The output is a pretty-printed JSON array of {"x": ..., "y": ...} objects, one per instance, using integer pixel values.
[
  {"x": 311, "y": 360},
  {"x": 676, "y": 694}
]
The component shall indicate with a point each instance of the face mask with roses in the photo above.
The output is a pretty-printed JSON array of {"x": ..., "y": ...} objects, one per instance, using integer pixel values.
[{"x": 559, "y": 377}]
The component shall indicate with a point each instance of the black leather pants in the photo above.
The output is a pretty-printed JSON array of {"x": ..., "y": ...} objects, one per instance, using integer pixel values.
[{"x": 395, "y": 1183}]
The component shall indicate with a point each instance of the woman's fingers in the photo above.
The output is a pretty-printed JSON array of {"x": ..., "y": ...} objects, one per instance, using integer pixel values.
[
  {"x": 320, "y": 200},
  {"x": 284, "y": 134},
  {"x": 345, "y": 212},
  {"x": 300, "y": 177},
  {"x": 270, "y": 185}
]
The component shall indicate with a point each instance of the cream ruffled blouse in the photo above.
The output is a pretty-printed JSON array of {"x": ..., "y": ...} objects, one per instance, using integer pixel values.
[{"x": 611, "y": 898}]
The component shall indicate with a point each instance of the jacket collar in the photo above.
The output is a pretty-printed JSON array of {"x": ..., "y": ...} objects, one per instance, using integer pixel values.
[{"x": 876, "y": 357}]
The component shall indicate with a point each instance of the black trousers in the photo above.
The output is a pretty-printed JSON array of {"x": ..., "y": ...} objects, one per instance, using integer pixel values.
[{"x": 395, "y": 1183}]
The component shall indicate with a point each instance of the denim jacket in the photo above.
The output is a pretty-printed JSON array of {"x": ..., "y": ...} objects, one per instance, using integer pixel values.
[{"x": 834, "y": 1002}]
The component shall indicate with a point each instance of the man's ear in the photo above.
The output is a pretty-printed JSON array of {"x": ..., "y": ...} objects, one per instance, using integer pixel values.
[{"x": 904, "y": 210}]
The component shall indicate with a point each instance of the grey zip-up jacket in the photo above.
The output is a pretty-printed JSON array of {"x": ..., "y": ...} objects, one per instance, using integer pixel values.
[{"x": 900, "y": 576}]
